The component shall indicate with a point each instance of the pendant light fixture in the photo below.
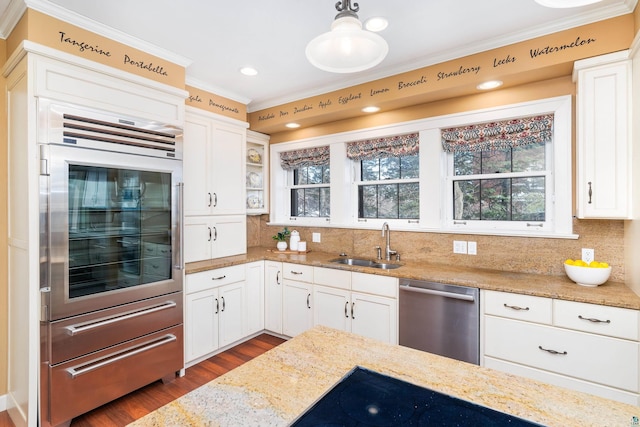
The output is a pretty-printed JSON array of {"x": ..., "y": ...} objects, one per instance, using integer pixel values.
[
  {"x": 347, "y": 48},
  {"x": 565, "y": 3}
]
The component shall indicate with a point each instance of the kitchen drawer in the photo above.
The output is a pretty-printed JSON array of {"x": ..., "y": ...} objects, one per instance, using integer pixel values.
[
  {"x": 100, "y": 377},
  {"x": 603, "y": 360},
  {"x": 94, "y": 331},
  {"x": 297, "y": 272},
  {"x": 213, "y": 278},
  {"x": 330, "y": 277},
  {"x": 598, "y": 319},
  {"x": 563, "y": 381},
  {"x": 374, "y": 284},
  {"x": 517, "y": 306}
]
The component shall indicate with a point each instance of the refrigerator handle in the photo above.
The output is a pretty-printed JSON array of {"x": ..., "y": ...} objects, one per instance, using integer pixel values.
[{"x": 180, "y": 255}]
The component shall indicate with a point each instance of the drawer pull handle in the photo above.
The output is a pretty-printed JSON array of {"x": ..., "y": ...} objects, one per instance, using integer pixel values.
[
  {"x": 346, "y": 305},
  {"x": 105, "y": 321},
  {"x": 593, "y": 320},
  {"x": 353, "y": 310},
  {"x": 561, "y": 353},
  {"x": 219, "y": 278},
  {"x": 296, "y": 272},
  {"x": 115, "y": 357},
  {"x": 515, "y": 307},
  {"x": 309, "y": 301}
]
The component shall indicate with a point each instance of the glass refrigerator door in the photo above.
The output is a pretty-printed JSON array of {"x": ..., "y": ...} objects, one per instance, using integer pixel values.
[{"x": 119, "y": 228}]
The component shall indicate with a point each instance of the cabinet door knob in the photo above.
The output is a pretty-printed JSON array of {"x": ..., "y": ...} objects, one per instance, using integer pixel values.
[
  {"x": 224, "y": 305},
  {"x": 278, "y": 277},
  {"x": 346, "y": 305},
  {"x": 217, "y": 306},
  {"x": 309, "y": 301},
  {"x": 353, "y": 314},
  {"x": 210, "y": 200},
  {"x": 209, "y": 233},
  {"x": 590, "y": 192}
]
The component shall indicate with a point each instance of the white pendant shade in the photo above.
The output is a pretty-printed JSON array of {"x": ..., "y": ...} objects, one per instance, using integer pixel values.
[
  {"x": 347, "y": 48},
  {"x": 565, "y": 3}
]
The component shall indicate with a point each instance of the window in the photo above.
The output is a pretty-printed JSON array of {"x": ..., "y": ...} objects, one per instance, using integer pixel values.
[
  {"x": 310, "y": 195},
  {"x": 309, "y": 177},
  {"x": 500, "y": 185},
  {"x": 389, "y": 188},
  {"x": 389, "y": 173},
  {"x": 500, "y": 173},
  {"x": 475, "y": 181}
]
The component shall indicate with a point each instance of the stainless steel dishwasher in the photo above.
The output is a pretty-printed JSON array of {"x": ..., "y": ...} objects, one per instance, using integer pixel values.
[{"x": 441, "y": 319}]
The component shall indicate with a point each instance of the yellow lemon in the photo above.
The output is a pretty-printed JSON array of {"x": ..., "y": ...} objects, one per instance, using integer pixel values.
[
  {"x": 569, "y": 261},
  {"x": 594, "y": 264},
  {"x": 580, "y": 263},
  {"x": 604, "y": 265}
]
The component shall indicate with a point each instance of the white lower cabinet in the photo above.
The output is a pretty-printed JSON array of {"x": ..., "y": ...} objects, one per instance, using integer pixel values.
[
  {"x": 297, "y": 292},
  {"x": 215, "y": 311},
  {"x": 372, "y": 312},
  {"x": 586, "y": 347},
  {"x": 273, "y": 296}
]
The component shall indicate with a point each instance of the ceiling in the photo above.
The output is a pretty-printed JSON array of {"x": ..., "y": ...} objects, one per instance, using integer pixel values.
[{"x": 216, "y": 38}]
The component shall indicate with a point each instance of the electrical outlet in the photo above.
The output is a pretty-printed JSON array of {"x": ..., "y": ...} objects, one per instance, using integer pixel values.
[
  {"x": 459, "y": 247},
  {"x": 588, "y": 255},
  {"x": 315, "y": 237},
  {"x": 472, "y": 248}
]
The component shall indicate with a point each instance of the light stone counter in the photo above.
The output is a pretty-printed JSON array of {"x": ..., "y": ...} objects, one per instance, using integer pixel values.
[
  {"x": 614, "y": 294},
  {"x": 275, "y": 388}
]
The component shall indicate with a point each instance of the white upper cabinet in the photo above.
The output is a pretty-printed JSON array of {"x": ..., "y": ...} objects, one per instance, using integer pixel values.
[
  {"x": 214, "y": 165},
  {"x": 603, "y": 147}
]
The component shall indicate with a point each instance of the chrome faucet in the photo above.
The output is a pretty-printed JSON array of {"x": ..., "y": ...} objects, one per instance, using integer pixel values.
[{"x": 387, "y": 250}]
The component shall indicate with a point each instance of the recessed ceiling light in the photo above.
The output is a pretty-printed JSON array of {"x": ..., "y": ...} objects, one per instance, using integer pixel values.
[
  {"x": 371, "y": 109},
  {"x": 248, "y": 71},
  {"x": 566, "y": 3},
  {"x": 491, "y": 84},
  {"x": 375, "y": 24},
  {"x": 292, "y": 125}
]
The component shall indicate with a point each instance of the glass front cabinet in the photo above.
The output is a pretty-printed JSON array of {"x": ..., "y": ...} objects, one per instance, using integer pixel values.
[{"x": 257, "y": 173}]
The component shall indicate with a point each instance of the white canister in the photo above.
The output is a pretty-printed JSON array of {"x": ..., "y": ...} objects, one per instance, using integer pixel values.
[
  {"x": 294, "y": 240},
  {"x": 302, "y": 246}
]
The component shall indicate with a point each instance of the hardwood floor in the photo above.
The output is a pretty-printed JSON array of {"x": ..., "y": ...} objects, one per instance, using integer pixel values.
[{"x": 147, "y": 399}]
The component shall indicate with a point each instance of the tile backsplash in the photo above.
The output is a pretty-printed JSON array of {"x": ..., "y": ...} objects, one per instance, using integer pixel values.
[{"x": 517, "y": 254}]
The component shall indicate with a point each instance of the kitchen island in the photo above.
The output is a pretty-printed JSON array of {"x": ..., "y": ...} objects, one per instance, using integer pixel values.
[{"x": 276, "y": 387}]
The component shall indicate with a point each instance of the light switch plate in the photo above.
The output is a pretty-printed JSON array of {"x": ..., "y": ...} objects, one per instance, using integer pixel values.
[{"x": 315, "y": 237}]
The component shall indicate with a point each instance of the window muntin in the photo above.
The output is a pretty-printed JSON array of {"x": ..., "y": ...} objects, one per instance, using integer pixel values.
[
  {"x": 389, "y": 188},
  {"x": 501, "y": 185},
  {"x": 310, "y": 193}
]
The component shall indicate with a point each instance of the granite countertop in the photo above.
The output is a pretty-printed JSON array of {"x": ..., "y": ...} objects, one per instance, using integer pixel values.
[
  {"x": 611, "y": 293},
  {"x": 278, "y": 386}
]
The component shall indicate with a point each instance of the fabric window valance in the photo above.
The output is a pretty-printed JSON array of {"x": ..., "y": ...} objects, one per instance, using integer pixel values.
[
  {"x": 316, "y": 156},
  {"x": 389, "y": 146},
  {"x": 500, "y": 135}
]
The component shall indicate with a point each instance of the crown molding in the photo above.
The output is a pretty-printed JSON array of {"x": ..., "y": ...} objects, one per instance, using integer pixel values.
[
  {"x": 593, "y": 15},
  {"x": 10, "y": 17},
  {"x": 190, "y": 81},
  {"x": 85, "y": 23}
]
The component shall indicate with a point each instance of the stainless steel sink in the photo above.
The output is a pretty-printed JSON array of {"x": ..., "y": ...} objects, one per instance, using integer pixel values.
[{"x": 365, "y": 263}]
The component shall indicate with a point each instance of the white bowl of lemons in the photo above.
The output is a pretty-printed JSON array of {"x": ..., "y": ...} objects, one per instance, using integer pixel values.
[{"x": 592, "y": 274}]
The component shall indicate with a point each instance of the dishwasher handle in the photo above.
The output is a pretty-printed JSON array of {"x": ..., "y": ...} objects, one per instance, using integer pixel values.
[{"x": 463, "y": 297}]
